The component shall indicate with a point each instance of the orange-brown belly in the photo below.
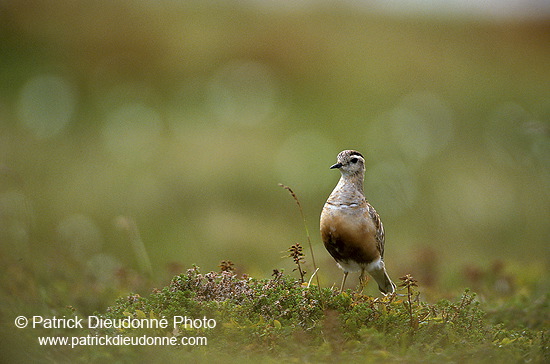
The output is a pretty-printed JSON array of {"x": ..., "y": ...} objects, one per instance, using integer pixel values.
[{"x": 349, "y": 234}]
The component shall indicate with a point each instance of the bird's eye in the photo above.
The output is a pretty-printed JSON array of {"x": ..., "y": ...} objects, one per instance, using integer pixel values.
[{"x": 354, "y": 160}]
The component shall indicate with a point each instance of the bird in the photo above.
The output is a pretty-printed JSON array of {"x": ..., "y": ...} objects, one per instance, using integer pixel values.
[{"x": 351, "y": 229}]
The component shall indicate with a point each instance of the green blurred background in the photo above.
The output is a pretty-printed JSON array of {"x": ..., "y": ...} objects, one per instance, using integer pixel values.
[{"x": 138, "y": 138}]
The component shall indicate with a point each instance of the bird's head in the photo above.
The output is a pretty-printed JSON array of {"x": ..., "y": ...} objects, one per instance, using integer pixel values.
[{"x": 350, "y": 162}]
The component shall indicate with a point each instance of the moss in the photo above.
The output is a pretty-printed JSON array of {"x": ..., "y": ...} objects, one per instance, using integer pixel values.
[{"x": 283, "y": 318}]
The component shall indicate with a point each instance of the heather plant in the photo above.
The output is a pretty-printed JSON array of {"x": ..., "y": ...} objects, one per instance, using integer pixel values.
[{"x": 282, "y": 315}]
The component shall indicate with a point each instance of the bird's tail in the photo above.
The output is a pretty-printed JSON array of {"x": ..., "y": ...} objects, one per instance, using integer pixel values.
[{"x": 385, "y": 285}]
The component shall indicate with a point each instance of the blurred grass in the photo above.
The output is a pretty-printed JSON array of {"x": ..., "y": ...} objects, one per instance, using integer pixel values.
[{"x": 183, "y": 117}]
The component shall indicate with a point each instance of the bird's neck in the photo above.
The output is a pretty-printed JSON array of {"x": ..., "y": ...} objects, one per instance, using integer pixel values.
[{"x": 349, "y": 189}]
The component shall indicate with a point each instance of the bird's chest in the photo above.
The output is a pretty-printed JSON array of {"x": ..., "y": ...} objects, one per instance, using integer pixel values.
[{"x": 351, "y": 220}]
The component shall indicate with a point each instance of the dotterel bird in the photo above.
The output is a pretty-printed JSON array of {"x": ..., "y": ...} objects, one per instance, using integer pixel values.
[{"x": 351, "y": 228}]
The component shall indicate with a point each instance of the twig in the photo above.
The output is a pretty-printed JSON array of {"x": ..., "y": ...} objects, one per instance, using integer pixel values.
[
  {"x": 310, "y": 278},
  {"x": 307, "y": 231}
]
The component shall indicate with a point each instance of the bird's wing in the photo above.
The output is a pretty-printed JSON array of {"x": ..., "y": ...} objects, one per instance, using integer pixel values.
[{"x": 380, "y": 235}]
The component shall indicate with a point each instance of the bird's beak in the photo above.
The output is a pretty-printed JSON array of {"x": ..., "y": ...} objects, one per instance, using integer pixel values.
[{"x": 337, "y": 165}]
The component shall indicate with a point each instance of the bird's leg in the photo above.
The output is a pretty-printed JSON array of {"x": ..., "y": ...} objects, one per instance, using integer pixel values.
[
  {"x": 363, "y": 280},
  {"x": 343, "y": 282}
]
